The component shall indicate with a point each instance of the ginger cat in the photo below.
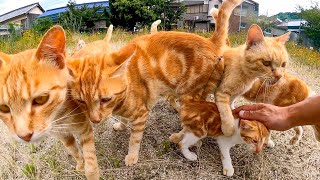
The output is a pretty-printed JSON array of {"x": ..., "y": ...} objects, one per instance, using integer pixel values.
[
  {"x": 162, "y": 63},
  {"x": 201, "y": 119},
  {"x": 35, "y": 100},
  {"x": 287, "y": 91},
  {"x": 95, "y": 47}
]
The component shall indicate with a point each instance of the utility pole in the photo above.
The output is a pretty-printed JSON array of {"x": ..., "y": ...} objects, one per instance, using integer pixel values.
[{"x": 240, "y": 17}]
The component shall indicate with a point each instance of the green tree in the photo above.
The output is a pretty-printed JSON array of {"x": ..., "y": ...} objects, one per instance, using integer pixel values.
[
  {"x": 81, "y": 18},
  {"x": 312, "y": 27},
  {"x": 128, "y": 13},
  {"x": 42, "y": 25}
]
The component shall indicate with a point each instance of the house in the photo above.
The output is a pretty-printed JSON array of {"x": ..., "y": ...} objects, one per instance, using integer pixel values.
[
  {"x": 54, "y": 14},
  {"x": 198, "y": 18},
  {"x": 23, "y": 16}
]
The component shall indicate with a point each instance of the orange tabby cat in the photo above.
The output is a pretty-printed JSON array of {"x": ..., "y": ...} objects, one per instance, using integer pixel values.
[
  {"x": 162, "y": 63},
  {"x": 287, "y": 91},
  {"x": 201, "y": 119},
  {"x": 34, "y": 100},
  {"x": 83, "y": 49}
]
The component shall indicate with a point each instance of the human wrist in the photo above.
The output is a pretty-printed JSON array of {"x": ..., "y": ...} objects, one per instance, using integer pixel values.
[{"x": 290, "y": 116}]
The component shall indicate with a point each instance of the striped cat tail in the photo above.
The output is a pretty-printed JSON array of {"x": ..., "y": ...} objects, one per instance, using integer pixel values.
[
  {"x": 222, "y": 21},
  {"x": 109, "y": 34}
]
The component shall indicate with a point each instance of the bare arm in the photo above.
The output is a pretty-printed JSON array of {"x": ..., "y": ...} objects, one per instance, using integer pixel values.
[{"x": 306, "y": 112}]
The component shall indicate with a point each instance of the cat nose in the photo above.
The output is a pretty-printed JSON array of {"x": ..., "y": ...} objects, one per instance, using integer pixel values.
[
  {"x": 277, "y": 77},
  {"x": 94, "y": 118},
  {"x": 26, "y": 137}
]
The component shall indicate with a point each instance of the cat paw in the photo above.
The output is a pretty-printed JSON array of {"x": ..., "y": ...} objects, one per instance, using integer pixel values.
[
  {"x": 227, "y": 129},
  {"x": 190, "y": 155},
  {"x": 270, "y": 144},
  {"x": 80, "y": 167},
  {"x": 228, "y": 171},
  {"x": 93, "y": 175},
  {"x": 294, "y": 140},
  {"x": 131, "y": 160},
  {"x": 175, "y": 138},
  {"x": 119, "y": 126}
]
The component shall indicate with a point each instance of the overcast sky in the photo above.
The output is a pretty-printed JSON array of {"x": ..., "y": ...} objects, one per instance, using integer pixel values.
[{"x": 267, "y": 7}]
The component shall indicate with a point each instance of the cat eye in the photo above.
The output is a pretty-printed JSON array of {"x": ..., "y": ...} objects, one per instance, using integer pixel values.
[
  {"x": 105, "y": 100},
  {"x": 266, "y": 63},
  {"x": 41, "y": 100},
  {"x": 4, "y": 108},
  {"x": 284, "y": 64},
  {"x": 80, "y": 102},
  {"x": 255, "y": 141}
]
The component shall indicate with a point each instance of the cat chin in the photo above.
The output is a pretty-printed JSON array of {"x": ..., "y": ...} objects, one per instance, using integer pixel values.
[{"x": 36, "y": 137}]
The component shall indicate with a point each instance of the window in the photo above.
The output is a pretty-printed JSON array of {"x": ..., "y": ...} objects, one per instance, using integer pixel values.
[{"x": 216, "y": 6}]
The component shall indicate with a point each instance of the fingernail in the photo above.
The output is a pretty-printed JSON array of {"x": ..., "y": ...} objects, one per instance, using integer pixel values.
[{"x": 241, "y": 113}]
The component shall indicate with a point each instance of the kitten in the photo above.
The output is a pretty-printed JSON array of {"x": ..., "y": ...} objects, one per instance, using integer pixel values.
[
  {"x": 34, "y": 100},
  {"x": 94, "y": 47},
  {"x": 201, "y": 119},
  {"x": 287, "y": 91},
  {"x": 158, "y": 64}
]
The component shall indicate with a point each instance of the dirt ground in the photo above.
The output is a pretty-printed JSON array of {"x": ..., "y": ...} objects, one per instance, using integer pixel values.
[{"x": 159, "y": 159}]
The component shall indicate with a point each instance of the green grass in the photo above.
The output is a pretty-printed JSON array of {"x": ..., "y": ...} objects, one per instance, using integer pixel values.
[{"x": 31, "y": 40}]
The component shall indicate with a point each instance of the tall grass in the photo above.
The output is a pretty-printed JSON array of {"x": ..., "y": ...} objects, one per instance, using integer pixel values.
[{"x": 31, "y": 39}]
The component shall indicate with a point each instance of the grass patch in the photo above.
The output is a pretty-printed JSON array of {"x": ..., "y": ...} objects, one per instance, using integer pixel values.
[{"x": 29, "y": 171}]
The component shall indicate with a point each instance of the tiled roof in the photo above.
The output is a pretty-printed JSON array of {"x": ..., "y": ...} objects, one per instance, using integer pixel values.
[
  {"x": 52, "y": 12},
  {"x": 18, "y": 12}
]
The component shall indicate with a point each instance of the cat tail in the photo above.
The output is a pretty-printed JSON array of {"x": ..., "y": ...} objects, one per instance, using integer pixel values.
[
  {"x": 109, "y": 34},
  {"x": 154, "y": 26},
  {"x": 220, "y": 36}
]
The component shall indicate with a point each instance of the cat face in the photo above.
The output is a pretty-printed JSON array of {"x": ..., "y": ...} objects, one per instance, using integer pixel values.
[
  {"x": 266, "y": 57},
  {"x": 94, "y": 88},
  {"x": 33, "y": 87},
  {"x": 254, "y": 133},
  {"x": 100, "y": 83}
]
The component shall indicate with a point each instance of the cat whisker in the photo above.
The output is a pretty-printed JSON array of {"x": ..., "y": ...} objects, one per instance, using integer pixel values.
[
  {"x": 68, "y": 124},
  {"x": 65, "y": 116}
]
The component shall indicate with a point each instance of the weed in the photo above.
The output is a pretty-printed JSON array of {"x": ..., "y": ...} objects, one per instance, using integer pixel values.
[{"x": 29, "y": 171}]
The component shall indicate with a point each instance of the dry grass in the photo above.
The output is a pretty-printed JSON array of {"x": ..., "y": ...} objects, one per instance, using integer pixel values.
[{"x": 158, "y": 158}]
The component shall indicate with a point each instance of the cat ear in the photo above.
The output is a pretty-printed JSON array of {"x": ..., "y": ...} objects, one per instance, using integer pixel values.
[
  {"x": 52, "y": 47},
  {"x": 245, "y": 124},
  {"x": 255, "y": 36},
  {"x": 4, "y": 59},
  {"x": 283, "y": 38},
  {"x": 72, "y": 65},
  {"x": 120, "y": 69}
]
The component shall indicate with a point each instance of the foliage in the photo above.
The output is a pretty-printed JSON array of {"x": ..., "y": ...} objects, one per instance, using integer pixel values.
[
  {"x": 81, "y": 18},
  {"x": 127, "y": 14},
  {"x": 287, "y": 16},
  {"x": 264, "y": 22},
  {"x": 312, "y": 27},
  {"x": 42, "y": 25}
]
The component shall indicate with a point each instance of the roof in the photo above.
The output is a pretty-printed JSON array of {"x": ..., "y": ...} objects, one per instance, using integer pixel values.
[
  {"x": 292, "y": 23},
  {"x": 57, "y": 11},
  {"x": 191, "y": 3},
  {"x": 20, "y": 11},
  {"x": 251, "y": 2}
]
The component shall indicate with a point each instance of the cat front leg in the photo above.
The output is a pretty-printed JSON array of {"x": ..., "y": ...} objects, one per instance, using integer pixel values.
[
  {"x": 227, "y": 120},
  {"x": 91, "y": 167},
  {"x": 316, "y": 131},
  {"x": 70, "y": 143},
  {"x": 225, "y": 147},
  {"x": 297, "y": 137},
  {"x": 270, "y": 143},
  {"x": 137, "y": 129},
  {"x": 189, "y": 139}
]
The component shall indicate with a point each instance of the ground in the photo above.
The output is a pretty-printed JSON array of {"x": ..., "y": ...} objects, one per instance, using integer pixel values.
[{"x": 159, "y": 159}]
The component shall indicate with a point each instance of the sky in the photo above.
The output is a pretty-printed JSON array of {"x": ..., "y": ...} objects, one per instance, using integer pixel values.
[{"x": 267, "y": 7}]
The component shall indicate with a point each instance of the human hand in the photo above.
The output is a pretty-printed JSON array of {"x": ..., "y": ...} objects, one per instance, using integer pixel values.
[{"x": 273, "y": 117}]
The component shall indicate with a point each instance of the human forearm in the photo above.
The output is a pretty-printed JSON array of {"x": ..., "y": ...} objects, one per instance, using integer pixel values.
[{"x": 306, "y": 112}]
